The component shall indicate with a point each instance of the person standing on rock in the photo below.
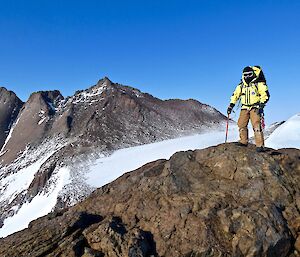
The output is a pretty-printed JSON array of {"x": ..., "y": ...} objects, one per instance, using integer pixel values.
[{"x": 254, "y": 94}]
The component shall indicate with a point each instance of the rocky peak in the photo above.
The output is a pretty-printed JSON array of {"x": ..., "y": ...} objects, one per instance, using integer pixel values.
[
  {"x": 104, "y": 81},
  {"x": 52, "y": 96},
  {"x": 10, "y": 106},
  {"x": 5, "y": 92},
  {"x": 32, "y": 123},
  {"x": 45, "y": 97},
  {"x": 210, "y": 202},
  {"x": 8, "y": 96}
]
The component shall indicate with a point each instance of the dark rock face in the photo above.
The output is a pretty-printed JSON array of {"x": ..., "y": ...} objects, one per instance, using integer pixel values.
[
  {"x": 40, "y": 179},
  {"x": 220, "y": 201},
  {"x": 32, "y": 124},
  {"x": 10, "y": 106}
]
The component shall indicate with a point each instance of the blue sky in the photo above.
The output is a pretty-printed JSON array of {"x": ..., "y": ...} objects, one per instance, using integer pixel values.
[{"x": 171, "y": 49}]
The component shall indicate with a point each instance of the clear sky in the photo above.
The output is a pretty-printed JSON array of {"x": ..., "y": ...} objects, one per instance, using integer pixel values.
[{"x": 170, "y": 49}]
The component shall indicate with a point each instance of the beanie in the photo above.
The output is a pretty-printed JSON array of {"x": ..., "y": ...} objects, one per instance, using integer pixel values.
[{"x": 247, "y": 69}]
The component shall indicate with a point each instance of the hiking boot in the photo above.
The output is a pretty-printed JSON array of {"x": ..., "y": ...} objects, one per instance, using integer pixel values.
[
  {"x": 260, "y": 149},
  {"x": 240, "y": 144}
]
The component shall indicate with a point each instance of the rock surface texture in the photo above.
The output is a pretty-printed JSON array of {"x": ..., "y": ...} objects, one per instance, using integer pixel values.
[
  {"x": 32, "y": 124},
  {"x": 10, "y": 106},
  {"x": 220, "y": 201}
]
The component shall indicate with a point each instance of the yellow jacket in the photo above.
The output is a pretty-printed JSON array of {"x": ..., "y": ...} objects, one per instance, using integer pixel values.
[{"x": 252, "y": 94}]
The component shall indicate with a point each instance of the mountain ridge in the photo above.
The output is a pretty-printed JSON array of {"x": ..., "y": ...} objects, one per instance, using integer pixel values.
[
  {"x": 52, "y": 132},
  {"x": 48, "y": 113}
]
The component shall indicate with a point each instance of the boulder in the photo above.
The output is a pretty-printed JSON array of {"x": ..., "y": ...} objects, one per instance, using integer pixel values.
[{"x": 221, "y": 201}]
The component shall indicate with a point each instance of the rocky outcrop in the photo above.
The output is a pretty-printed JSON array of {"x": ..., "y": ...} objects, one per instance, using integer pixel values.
[
  {"x": 40, "y": 179},
  {"x": 10, "y": 106},
  {"x": 220, "y": 201}
]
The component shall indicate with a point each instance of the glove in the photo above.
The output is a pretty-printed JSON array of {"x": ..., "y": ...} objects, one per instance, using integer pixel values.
[
  {"x": 261, "y": 108},
  {"x": 230, "y": 107}
]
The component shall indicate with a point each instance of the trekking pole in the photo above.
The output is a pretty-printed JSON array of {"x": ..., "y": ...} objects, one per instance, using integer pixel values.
[
  {"x": 262, "y": 121},
  {"x": 227, "y": 128}
]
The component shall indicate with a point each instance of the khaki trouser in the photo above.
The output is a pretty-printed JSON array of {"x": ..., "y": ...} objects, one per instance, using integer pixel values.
[{"x": 243, "y": 121}]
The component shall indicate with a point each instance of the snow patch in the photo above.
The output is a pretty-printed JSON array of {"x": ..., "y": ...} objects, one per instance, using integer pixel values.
[
  {"x": 3, "y": 152},
  {"x": 85, "y": 95},
  {"x": 52, "y": 107},
  {"x": 15, "y": 183},
  {"x": 40, "y": 205},
  {"x": 9, "y": 136},
  {"x": 42, "y": 120}
]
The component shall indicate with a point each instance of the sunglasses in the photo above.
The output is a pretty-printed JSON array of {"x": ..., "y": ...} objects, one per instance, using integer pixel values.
[{"x": 248, "y": 74}]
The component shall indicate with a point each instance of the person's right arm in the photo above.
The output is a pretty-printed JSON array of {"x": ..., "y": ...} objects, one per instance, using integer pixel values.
[
  {"x": 234, "y": 98},
  {"x": 236, "y": 94}
]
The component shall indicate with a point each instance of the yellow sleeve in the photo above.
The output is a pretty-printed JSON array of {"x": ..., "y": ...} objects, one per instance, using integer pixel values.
[
  {"x": 236, "y": 94},
  {"x": 263, "y": 91}
]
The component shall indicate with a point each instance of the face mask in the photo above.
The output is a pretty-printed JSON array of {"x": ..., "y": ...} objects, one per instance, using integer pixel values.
[{"x": 248, "y": 76}]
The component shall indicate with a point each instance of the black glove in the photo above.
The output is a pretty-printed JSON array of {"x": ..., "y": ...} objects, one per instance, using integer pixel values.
[
  {"x": 261, "y": 108},
  {"x": 230, "y": 107}
]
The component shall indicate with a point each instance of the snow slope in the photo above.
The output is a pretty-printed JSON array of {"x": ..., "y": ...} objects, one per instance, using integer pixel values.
[
  {"x": 41, "y": 205},
  {"x": 286, "y": 135},
  {"x": 106, "y": 169}
]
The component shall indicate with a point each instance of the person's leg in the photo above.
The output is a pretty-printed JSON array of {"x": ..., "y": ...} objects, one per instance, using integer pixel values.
[
  {"x": 243, "y": 126},
  {"x": 258, "y": 134}
]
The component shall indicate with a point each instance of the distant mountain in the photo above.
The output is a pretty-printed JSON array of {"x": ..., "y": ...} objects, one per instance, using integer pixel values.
[
  {"x": 50, "y": 132},
  {"x": 107, "y": 115}
]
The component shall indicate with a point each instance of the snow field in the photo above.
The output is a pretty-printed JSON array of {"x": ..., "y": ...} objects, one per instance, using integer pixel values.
[
  {"x": 40, "y": 205},
  {"x": 15, "y": 183},
  {"x": 104, "y": 170},
  {"x": 286, "y": 135}
]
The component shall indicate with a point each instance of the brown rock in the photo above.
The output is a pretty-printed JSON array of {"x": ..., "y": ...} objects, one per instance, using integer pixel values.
[
  {"x": 32, "y": 123},
  {"x": 107, "y": 115},
  {"x": 10, "y": 106},
  {"x": 191, "y": 205},
  {"x": 297, "y": 244}
]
